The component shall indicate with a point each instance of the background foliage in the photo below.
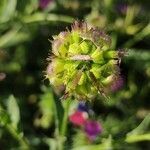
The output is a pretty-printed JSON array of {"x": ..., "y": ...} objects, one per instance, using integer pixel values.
[{"x": 31, "y": 112}]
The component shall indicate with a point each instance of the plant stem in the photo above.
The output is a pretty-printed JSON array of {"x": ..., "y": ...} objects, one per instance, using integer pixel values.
[
  {"x": 139, "y": 36},
  {"x": 41, "y": 17},
  {"x": 13, "y": 131},
  {"x": 63, "y": 128},
  {"x": 19, "y": 137},
  {"x": 65, "y": 118}
]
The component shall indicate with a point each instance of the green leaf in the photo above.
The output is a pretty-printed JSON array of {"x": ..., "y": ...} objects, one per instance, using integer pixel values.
[
  {"x": 3, "y": 4},
  {"x": 19, "y": 38},
  {"x": 138, "y": 138},
  {"x": 13, "y": 111},
  {"x": 41, "y": 17},
  {"x": 58, "y": 109},
  {"x": 46, "y": 107},
  {"x": 8, "y": 36},
  {"x": 4, "y": 118},
  {"x": 138, "y": 37},
  {"x": 52, "y": 143},
  {"x": 139, "y": 133},
  {"x": 139, "y": 55},
  {"x": 105, "y": 145},
  {"x": 7, "y": 9}
]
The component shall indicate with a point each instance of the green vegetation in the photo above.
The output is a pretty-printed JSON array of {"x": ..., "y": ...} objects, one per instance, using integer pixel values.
[{"x": 32, "y": 116}]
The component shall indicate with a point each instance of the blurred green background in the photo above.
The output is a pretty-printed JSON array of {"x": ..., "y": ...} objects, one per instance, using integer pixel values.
[{"x": 27, "y": 102}]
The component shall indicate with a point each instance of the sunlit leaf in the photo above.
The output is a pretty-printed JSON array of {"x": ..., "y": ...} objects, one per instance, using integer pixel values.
[
  {"x": 52, "y": 143},
  {"x": 46, "y": 107},
  {"x": 7, "y": 9},
  {"x": 13, "y": 111},
  {"x": 19, "y": 38},
  {"x": 140, "y": 133},
  {"x": 4, "y": 118},
  {"x": 138, "y": 138},
  {"x": 105, "y": 145},
  {"x": 41, "y": 17},
  {"x": 8, "y": 36}
]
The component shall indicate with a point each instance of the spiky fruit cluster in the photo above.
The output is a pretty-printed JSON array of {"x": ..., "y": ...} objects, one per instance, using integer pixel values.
[{"x": 83, "y": 62}]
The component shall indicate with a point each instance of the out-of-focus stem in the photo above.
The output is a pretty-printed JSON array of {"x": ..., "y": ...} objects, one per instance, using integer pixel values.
[
  {"x": 22, "y": 141},
  {"x": 139, "y": 36},
  {"x": 41, "y": 17},
  {"x": 63, "y": 128}
]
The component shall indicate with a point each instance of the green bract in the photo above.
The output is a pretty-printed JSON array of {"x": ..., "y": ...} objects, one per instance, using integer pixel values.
[{"x": 83, "y": 62}]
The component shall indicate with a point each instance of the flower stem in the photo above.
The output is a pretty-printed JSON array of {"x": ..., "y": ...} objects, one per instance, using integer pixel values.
[
  {"x": 63, "y": 128},
  {"x": 19, "y": 137},
  {"x": 65, "y": 118}
]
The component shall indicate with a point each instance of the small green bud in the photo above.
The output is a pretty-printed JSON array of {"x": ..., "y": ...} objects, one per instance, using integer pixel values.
[
  {"x": 63, "y": 51},
  {"x": 74, "y": 49},
  {"x": 108, "y": 80},
  {"x": 110, "y": 54},
  {"x": 105, "y": 47},
  {"x": 56, "y": 81},
  {"x": 97, "y": 56},
  {"x": 82, "y": 79},
  {"x": 75, "y": 37},
  {"x": 82, "y": 89},
  {"x": 96, "y": 70},
  {"x": 84, "y": 47}
]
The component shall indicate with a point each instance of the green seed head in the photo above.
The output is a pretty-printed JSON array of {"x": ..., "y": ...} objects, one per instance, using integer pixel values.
[{"x": 83, "y": 62}]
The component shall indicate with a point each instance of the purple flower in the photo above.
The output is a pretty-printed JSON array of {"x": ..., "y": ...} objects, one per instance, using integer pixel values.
[
  {"x": 83, "y": 107},
  {"x": 118, "y": 84},
  {"x": 122, "y": 8},
  {"x": 92, "y": 129},
  {"x": 44, "y": 3}
]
